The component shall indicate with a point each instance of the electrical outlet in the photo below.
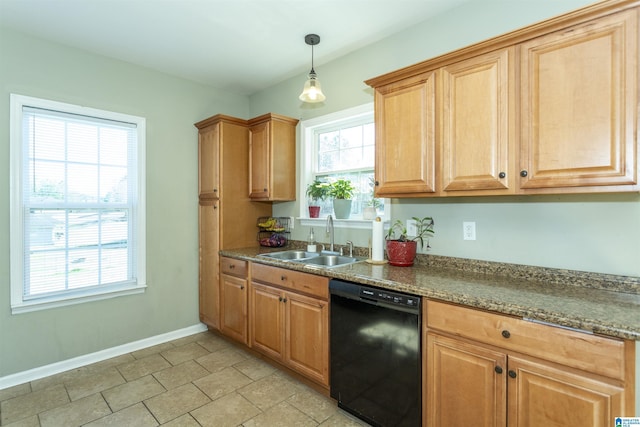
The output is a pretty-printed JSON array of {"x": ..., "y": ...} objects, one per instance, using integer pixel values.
[
  {"x": 291, "y": 223},
  {"x": 469, "y": 230},
  {"x": 412, "y": 229}
]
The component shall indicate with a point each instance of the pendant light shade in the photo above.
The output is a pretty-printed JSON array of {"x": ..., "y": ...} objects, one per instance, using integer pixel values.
[{"x": 312, "y": 91}]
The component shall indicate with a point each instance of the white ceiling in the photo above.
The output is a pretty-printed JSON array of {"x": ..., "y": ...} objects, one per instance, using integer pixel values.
[{"x": 238, "y": 45}]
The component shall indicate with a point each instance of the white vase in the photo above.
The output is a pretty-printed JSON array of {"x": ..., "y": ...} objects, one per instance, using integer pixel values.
[{"x": 369, "y": 213}]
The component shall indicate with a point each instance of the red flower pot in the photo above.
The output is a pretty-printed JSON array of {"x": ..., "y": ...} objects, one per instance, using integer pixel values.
[
  {"x": 401, "y": 254},
  {"x": 314, "y": 211}
]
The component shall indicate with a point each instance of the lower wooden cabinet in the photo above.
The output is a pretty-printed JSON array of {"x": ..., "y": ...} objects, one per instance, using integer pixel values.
[
  {"x": 472, "y": 381},
  {"x": 234, "y": 299},
  {"x": 288, "y": 326}
]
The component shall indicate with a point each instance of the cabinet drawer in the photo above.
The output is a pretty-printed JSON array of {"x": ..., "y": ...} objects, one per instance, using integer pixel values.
[
  {"x": 302, "y": 282},
  {"x": 234, "y": 267},
  {"x": 592, "y": 353}
]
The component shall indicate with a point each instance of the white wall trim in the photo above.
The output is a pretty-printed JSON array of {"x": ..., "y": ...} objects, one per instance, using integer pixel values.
[{"x": 76, "y": 362}]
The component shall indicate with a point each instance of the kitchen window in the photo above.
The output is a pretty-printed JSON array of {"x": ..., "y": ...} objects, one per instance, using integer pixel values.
[
  {"x": 77, "y": 204},
  {"x": 341, "y": 145}
]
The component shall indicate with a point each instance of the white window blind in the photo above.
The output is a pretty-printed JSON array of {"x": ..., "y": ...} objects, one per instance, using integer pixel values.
[{"x": 79, "y": 204}]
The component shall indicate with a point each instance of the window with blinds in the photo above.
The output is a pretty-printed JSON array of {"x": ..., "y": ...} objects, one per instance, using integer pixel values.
[{"x": 77, "y": 203}]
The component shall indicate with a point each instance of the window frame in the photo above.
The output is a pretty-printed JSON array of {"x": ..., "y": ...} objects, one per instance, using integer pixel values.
[
  {"x": 16, "y": 159},
  {"x": 309, "y": 156}
]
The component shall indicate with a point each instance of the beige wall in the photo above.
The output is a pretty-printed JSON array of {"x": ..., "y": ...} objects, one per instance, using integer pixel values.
[
  {"x": 599, "y": 233},
  {"x": 36, "y": 68}
]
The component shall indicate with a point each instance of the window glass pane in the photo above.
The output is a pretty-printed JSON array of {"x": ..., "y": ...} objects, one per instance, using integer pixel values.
[
  {"x": 78, "y": 169},
  {"x": 346, "y": 149}
]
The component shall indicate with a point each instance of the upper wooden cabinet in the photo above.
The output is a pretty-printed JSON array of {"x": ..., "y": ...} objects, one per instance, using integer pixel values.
[
  {"x": 551, "y": 108},
  {"x": 478, "y": 115},
  {"x": 579, "y": 100},
  {"x": 272, "y": 158},
  {"x": 212, "y": 132},
  {"x": 405, "y": 137}
]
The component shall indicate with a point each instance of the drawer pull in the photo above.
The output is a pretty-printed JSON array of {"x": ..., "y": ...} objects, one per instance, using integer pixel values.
[
  {"x": 280, "y": 299},
  {"x": 283, "y": 277},
  {"x": 232, "y": 266},
  {"x": 498, "y": 369},
  {"x": 241, "y": 287},
  {"x": 512, "y": 374},
  {"x": 284, "y": 300},
  {"x": 506, "y": 333}
]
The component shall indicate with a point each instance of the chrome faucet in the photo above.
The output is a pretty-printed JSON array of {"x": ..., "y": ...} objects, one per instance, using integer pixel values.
[
  {"x": 330, "y": 231},
  {"x": 350, "y": 244}
]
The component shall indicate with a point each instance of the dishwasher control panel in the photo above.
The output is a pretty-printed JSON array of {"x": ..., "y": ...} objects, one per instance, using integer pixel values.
[{"x": 389, "y": 297}]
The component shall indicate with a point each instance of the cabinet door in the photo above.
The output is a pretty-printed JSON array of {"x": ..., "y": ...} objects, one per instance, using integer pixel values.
[
  {"x": 208, "y": 161},
  {"x": 405, "y": 137},
  {"x": 233, "y": 307},
  {"x": 259, "y": 164},
  {"x": 478, "y": 112},
  {"x": 307, "y": 336},
  {"x": 542, "y": 395},
  {"x": 209, "y": 295},
  {"x": 579, "y": 106},
  {"x": 465, "y": 385},
  {"x": 267, "y": 320}
]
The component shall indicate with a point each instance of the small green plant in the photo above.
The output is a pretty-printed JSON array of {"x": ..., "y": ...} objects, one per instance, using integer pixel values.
[
  {"x": 342, "y": 189},
  {"x": 424, "y": 229},
  {"x": 318, "y": 190}
]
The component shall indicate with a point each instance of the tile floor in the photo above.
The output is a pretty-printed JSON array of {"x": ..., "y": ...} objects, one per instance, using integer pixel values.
[{"x": 200, "y": 380}]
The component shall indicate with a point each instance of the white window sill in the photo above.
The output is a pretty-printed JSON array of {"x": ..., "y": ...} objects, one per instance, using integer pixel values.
[
  {"x": 78, "y": 298},
  {"x": 338, "y": 223}
]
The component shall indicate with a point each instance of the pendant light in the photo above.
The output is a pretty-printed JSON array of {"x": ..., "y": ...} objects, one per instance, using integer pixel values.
[{"x": 312, "y": 91}]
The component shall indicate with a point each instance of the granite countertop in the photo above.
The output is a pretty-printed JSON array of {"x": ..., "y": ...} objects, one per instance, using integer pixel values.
[{"x": 598, "y": 303}]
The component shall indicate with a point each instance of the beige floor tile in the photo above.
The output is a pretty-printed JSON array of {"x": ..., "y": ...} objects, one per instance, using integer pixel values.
[
  {"x": 127, "y": 394},
  {"x": 283, "y": 415},
  {"x": 61, "y": 378},
  {"x": 181, "y": 374},
  {"x": 109, "y": 363},
  {"x": 32, "y": 421},
  {"x": 222, "y": 382},
  {"x": 33, "y": 403},
  {"x": 178, "y": 355},
  {"x": 190, "y": 338},
  {"x": 230, "y": 410},
  {"x": 184, "y": 421},
  {"x": 76, "y": 413},
  {"x": 15, "y": 391},
  {"x": 145, "y": 366},
  {"x": 136, "y": 415},
  {"x": 221, "y": 359},
  {"x": 94, "y": 384},
  {"x": 255, "y": 368},
  {"x": 312, "y": 403},
  {"x": 269, "y": 391},
  {"x": 342, "y": 419},
  {"x": 213, "y": 342},
  {"x": 174, "y": 403},
  {"x": 146, "y": 352}
]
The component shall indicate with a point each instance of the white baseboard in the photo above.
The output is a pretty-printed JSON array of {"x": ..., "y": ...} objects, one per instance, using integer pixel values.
[{"x": 87, "y": 359}]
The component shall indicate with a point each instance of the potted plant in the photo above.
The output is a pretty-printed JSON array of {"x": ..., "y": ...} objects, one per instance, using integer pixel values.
[
  {"x": 316, "y": 191},
  {"x": 342, "y": 191},
  {"x": 401, "y": 251}
]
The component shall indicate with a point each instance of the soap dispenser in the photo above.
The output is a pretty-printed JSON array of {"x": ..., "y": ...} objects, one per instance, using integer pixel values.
[{"x": 311, "y": 242}]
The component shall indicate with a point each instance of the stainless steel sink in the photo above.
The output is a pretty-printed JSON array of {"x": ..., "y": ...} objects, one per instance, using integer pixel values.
[
  {"x": 291, "y": 255},
  {"x": 331, "y": 260},
  {"x": 322, "y": 259}
]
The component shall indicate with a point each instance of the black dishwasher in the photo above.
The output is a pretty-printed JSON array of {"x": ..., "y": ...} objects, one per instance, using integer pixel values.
[{"x": 375, "y": 354}]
